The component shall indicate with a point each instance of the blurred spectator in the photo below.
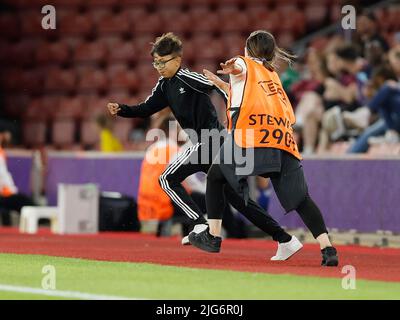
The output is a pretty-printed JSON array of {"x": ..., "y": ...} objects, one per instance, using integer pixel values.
[
  {"x": 308, "y": 92},
  {"x": 344, "y": 93},
  {"x": 343, "y": 88},
  {"x": 313, "y": 75},
  {"x": 264, "y": 192},
  {"x": 339, "y": 85},
  {"x": 367, "y": 36},
  {"x": 10, "y": 198},
  {"x": 108, "y": 142},
  {"x": 396, "y": 38},
  {"x": 288, "y": 73},
  {"x": 386, "y": 103}
]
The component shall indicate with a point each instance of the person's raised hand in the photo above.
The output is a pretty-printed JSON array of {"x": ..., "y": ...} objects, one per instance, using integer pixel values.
[
  {"x": 217, "y": 81},
  {"x": 113, "y": 108},
  {"x": 229, "y": 67},
  {"x": 211, "y": 76}
]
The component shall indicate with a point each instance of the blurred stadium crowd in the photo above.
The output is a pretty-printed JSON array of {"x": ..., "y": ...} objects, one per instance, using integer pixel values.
[{"x": 55, "y": 83}]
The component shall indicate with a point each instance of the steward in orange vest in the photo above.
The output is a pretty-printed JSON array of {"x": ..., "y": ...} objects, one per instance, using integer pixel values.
[
  {"x": 265, "y": 115},
  {"x": 153, "y": 202},
  {"x": 260, "y": 120},
  {"x": 10, "y": 198}
]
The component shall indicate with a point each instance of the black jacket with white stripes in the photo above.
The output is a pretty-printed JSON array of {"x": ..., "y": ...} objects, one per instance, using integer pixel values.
[{"x": 187, "y": 94}]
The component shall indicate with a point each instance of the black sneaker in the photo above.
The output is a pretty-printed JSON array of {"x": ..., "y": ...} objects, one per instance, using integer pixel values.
[
  {"x": 329, "y": 257},
  {"x": 205, "y": 241},
  {"x": 196, "y": 229}
]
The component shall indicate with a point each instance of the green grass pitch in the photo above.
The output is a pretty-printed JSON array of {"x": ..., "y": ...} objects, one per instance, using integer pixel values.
[{"x": 150, "y": 281}]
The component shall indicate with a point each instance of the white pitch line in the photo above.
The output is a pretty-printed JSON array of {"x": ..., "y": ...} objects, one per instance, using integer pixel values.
[{"x": 63, "y": 294}]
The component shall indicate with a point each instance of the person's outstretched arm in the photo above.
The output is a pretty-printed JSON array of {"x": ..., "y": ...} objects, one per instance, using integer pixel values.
[
  {"x": 200, "y": 83},
  {"x": 154, "y": 103},
  {"x": 230, "y": 67},
  {"x": 217, "y": 81}
]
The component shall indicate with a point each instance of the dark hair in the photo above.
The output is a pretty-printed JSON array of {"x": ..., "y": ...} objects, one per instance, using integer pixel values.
[
  {"x": 167, "y": 44},
  {"x": 369, "y": 15},
  {"x": 262, "y": 45},
  {"x": 3, "y": 128},
  {"x": 347, "y": 52},
  {"x": 103, "y": 121},
  {"x": 383, "y": 71}
]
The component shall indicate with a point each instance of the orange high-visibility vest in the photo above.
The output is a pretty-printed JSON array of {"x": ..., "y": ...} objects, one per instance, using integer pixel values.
[
  {"x": 5, "y": 190},
  {"x": 266, "y": 115},
  {"x": 153, "y": 202}
]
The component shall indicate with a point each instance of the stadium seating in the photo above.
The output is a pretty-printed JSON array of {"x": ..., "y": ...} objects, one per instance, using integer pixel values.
[
  {"x": 135, "y": 13},
  {"x": 42, "y": 108},
  {"x": 60, "y": 81},
  {"x": 143, "y": 45},
  {"x": 63, "y": 131},
  {"x": 122, "y": 51},
  {"x": 233, "y": 44},
  {"x": 315, "y": 15},
  {"x": 118, "y": 24},
  {"x": 207, "y": 48},
  {"x": 36, "y": 119},
  {"x": 64, "y": 124},
  {"x": 20, "y": 54},
  {"x": 73, "y": 24},
  {"x": 9, "y": 27},
  {"x": 233, "y": 21},
  {"x": 92, "y": 81},
  {"x": 146, "y": 76},
  {"x": 94, "y": 106},
  {"x": 151, "y": 24},
  {"x": 122, "y": 129},
  {"x": 204, "y": 20},
  {"x": 15, "y": 104},
  {"x": 100, "y": 3},
  {"x": 137, "y": 2},
  {"x": 123, "y": 79},
  {"x": 89, "y": 133},
  {"x": 34, "y": 133},
  {"x": 57, "y": 53},
  {"x": 178, "y": 24},
  {"x": 90, "y": 52},
  {"x": 268, "y": 20},
  {"x": 101, "y": 48}
]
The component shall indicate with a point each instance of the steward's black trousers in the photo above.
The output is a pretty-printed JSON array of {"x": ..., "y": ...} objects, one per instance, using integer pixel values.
[
  {"x": 190, "y": 162},
  {"x": 14, "y": 202}
]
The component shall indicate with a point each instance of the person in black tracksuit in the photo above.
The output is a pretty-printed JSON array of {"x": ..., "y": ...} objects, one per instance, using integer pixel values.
[{"x": 187, "y": 94}]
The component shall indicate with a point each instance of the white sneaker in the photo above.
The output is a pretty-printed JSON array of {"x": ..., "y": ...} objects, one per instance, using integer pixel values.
[
  {"x": 390, "y": 137},
  {"x": 340, "y": 128},
  {"x": 197, "y": 229},
  {"x": 358, "y": 119},
  {"x": 185, "y": 241},
  {"x": 287, "y": 249}
]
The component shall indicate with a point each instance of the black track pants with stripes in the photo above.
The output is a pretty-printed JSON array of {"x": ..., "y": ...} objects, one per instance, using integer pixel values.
[{"x": 189, "y": 163}]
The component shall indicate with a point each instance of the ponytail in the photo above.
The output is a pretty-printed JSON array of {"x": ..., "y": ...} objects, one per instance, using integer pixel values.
[
  {"x": 261, "y": 45},
  {"x": 281, "y": 54}
]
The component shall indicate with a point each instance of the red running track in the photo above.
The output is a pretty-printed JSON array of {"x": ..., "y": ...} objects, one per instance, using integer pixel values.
[{"x": 251, "y": 255}]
